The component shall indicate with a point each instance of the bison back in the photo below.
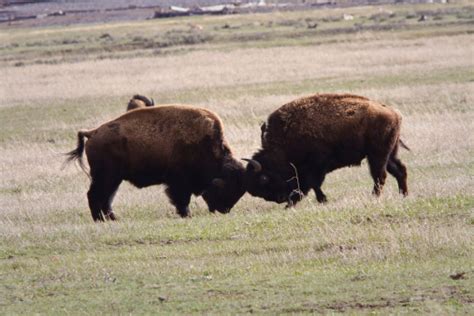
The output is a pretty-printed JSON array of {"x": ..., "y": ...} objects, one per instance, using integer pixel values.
[
  {"x": 329, "y": 119},
  {"x": 164, "y": 137}
]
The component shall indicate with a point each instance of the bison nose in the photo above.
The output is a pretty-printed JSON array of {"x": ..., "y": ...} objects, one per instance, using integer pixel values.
[{"x": 281, "y": 198}]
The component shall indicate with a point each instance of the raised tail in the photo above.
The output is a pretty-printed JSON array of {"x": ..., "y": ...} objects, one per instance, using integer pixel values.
[{"x": 76, "y": 154}]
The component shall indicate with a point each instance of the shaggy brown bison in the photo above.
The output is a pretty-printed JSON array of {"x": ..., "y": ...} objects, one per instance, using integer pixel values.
[
  {"x": 139, "y": 101},
  {"x": 180, "y": 146},
  {"x": 305, "y": 139}
]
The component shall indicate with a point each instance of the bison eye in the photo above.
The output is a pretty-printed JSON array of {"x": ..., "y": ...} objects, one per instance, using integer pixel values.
[
  {"x": 218, "y": 182},
  {"x": 263, "y": 179}
]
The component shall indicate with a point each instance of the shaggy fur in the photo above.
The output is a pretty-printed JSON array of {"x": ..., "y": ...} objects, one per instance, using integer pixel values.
[
  {"x": 180, "y": 146},
  {"x": 319, "y": 134},
  {"x": 139, "y": 101}
]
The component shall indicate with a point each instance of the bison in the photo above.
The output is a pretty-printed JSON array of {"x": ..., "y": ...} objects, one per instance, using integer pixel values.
[
  {"x": 139, "y": 101},
  {"x": 305, "y": 139},
  {"x": 180, "y": 146}
]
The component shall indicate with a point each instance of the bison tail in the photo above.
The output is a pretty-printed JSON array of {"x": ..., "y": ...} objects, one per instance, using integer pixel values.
[
  {"x": 403, "y": 145},
  {"x": 76, "y": 154}
]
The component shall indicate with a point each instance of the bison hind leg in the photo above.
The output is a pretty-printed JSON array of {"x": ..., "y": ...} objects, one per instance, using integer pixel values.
[
  {"x": 94, "y": 197},
  {"x": 397, "y": 169},
  {"x": 100, "y": 195},
  {"x": 109, "y": 191}
]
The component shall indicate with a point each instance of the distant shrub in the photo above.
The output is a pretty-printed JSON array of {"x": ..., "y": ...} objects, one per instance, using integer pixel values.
[
  {"x": 294, "y": 23},
  {"x": 106, "y": 36},
  {"x": 381, "y": 17},
  {"x": 332, "y": 19}
]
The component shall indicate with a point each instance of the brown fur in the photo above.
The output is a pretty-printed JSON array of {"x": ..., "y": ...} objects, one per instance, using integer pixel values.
[
  {"x": 324, "y": 132},
  {"x": 181, "y": 146},
  {"x": 139, "y": 101}
]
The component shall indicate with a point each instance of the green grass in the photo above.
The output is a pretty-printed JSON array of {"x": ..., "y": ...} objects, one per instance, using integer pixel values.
[{"x": 276, "y": 261}]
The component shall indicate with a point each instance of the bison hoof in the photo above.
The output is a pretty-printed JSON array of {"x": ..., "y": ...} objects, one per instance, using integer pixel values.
[
  {"x": 322, "y": 199},
  {"x": 110, "y": 216},
  {"x": 183, "y": 211}
]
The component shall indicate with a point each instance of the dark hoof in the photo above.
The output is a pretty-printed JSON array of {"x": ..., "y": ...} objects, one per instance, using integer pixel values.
[
  {"x": 98, "y": 217},
  {"x": 322, "y": 199},
  {"x": 110, "y": 216}
]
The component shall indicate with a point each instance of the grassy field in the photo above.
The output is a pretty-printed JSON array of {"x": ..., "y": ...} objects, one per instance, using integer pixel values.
[{"x": 354, "y": 254}]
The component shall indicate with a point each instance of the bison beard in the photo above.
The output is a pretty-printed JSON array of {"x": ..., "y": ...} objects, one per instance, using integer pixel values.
[
  {"x": 179, "y": 146},
  {"x": 305, "y": 139}
]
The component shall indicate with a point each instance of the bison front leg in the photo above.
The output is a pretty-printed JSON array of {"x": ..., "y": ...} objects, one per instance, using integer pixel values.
[
  {"x": 320, "y": 196},
  {"x": 318, "y": 182},
  {"x": 180, "y": 196},
  {"x": 312, "y": 177}
]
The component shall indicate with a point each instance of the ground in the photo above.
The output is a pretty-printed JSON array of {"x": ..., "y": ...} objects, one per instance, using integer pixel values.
[{"x": 355, "y": 254}]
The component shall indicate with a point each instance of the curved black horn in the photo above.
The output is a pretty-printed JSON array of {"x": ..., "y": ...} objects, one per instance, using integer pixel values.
[
  {"x": 152, "y": 102},
  {"x": 257, "y": 167},
  {"x": 263, "y": 127}
]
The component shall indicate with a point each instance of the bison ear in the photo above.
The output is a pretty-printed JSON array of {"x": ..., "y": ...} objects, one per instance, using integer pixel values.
[
  {"x": 218, "y": 182},
  {"x": 263, "y": 179},
  {"x": 256, "y": 166}
]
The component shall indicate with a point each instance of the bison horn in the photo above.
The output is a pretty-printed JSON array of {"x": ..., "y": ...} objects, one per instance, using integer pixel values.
[
  {"x": 218, "y": 182},
  {"x": 263, "y": 127},
  {"x": 152, "y": 102},
  {"x": 257, "y": 167}
]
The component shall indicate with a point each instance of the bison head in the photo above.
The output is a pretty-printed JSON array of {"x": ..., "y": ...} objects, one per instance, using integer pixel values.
[
  {"x": 225, "y": 190},
  {"x": 271, "y": 177}
]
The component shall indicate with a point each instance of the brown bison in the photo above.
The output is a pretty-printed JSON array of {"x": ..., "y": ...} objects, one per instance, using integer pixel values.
[
  {"x": 180, "y": 146},
  {"x": 139, "y": 101},
  {"x": 305, "y": 139}
]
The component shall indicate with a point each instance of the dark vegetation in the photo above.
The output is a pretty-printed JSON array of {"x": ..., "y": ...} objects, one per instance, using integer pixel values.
[{"x": 177, "y": 37}]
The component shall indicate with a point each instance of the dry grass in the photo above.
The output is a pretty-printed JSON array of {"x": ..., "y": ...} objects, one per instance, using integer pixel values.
[
  {"x": 215, "y": 69},
  {"x": 353, "y": 254}
]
